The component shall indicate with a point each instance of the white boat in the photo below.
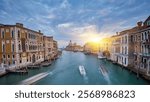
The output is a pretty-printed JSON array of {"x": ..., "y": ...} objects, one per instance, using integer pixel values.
[
  {"x": 82, "y": 70},
  {"x": 101, "y": 56}
]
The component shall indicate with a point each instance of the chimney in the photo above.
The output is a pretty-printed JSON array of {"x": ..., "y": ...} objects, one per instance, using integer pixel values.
[
  {"x": 19, "y": 24},
  {"x": 39, "y": 31},
  {"x": 139, "y": 24}
]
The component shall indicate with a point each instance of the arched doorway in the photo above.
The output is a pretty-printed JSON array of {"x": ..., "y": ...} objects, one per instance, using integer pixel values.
[{"x": 33, "y": 58}]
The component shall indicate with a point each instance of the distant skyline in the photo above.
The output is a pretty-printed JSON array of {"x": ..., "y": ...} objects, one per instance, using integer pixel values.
[{"x": 76, "y": 20}]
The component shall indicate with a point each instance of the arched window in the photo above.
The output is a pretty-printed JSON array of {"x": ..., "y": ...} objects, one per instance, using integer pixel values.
[
  {"x": 18, "y": 34},
  {"x": 19, "y": 47}
]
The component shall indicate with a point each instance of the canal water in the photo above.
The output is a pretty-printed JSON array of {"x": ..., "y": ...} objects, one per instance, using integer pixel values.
[{"x": 65, "y": 71}]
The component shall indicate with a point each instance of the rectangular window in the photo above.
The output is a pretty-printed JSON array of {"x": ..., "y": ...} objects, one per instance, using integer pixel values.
[
  {"x": 142, "y": 37},
  {"x": 131, "y": 38},
  {"x": 145, "y": 36},
  {"x": 18, "y": 34},
  {"x": 13, "y": 47},
  {"x": 3, "y": 34},
  {"x": 20, "y": 61},
  {"x": 12, "y": 34},
  {"x": 3, "y": 48},
  {"x": 125, "y": 61},
  {"x": 8, "y": 56},
  {"x": 3, "y": 56},
  {"x": 13, "y": 56}
]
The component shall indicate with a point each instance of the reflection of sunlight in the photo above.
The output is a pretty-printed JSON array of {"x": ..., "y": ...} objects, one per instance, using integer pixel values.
[
  {"x": 91, "y": 34},
  {"x": 90, "y": 37},
  {"x": 96, "y": 40}
]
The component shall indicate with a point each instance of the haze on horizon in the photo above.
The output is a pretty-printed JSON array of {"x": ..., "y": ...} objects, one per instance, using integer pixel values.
[{"x": 76, "y": 20}]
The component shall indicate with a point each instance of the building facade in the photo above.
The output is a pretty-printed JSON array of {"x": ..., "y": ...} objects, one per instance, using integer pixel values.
[
  {"x": 73, "y": 47},
  {"x": 115, "y": 48},
  {"x": 131, "y": 48},
  {"x": 91, "y": 48},
  {"x": 54, "y": 50},
  {"x": 48, "y": 48},
  {"x": 142, "y": 48},
  {"x": 105, "y": 47},
  {"x": 20, "y": 46}
]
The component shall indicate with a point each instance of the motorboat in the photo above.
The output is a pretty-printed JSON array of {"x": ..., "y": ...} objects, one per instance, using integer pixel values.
[
  {"x": 82, "y": 70},
  {"x": 101, "y": 56}
]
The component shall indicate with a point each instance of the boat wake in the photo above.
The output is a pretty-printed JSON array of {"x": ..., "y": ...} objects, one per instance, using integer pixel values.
[
  {"x": 104, "y": 72},
  {"x": 86, "y": 80},
  {"x": 107, "y": 79}
]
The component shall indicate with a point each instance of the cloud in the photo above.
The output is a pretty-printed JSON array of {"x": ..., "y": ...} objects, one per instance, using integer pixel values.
[
  {"x": 65, "y": 25},
  {"x": 50, "y": 16},
  {"x": 63, "y": 43},
  {"x": 65, "y": 4},
  {"x": 105, "y": 11},
  {"x": 75, "y": 19}
]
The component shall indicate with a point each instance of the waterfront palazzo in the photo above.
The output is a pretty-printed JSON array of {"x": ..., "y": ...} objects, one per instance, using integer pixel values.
[{"x": 21, "y": 46}]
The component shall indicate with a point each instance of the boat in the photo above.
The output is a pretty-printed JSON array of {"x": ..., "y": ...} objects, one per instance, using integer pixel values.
[
  {"x": 87, "y": 52},
  {"x": 103, "y": 70},
  {"x": 82, "y": 70},
  {"x": 101, "y": 56}
]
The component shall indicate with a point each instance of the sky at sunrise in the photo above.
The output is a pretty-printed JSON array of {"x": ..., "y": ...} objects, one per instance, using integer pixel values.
[{"x": 76, "y": 20}]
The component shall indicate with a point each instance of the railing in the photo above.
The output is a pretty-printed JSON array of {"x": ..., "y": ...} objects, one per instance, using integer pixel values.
[
  {"x": 147, "y": 41},
  {"x": 145, "y": 54}
]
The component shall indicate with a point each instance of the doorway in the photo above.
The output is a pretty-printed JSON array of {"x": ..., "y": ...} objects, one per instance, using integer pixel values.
[{"x": 33, "y": 58}]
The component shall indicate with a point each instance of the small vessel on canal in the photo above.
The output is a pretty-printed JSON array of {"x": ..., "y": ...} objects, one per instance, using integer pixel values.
[
  {"x": 82, "y": 70},
  {"x": 101, "y": 56}
]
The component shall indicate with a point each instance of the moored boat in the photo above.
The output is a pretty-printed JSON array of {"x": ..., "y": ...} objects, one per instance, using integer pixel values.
[{"x": 101, "y": 56}]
